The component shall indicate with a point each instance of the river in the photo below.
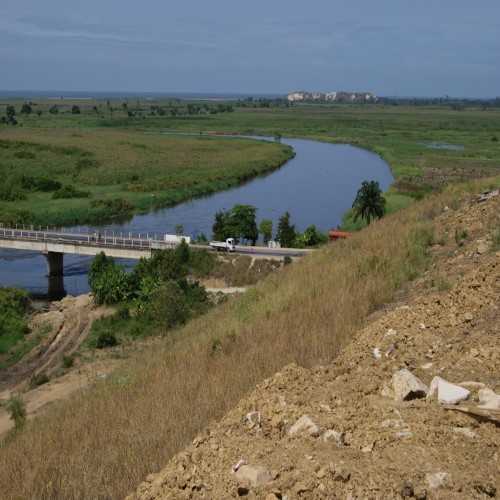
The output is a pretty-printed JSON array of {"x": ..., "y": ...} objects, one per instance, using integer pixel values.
[{"x": 316, "y": 187}]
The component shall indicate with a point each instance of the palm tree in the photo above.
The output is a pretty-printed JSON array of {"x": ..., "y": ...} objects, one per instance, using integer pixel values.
[{"x": 369, "y": 202}]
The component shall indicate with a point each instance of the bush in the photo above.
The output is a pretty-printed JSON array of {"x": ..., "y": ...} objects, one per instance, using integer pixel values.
[
  {"x": 38, "y": 379},
  {"x": 17, "y": 409},
  {"x": 106, "y": 339},
  {"x": 167, "y": 306},
  {"x": 67, "y": 361},
  {"x": 46, "y": 184},
  {"x": 66, "y": 192}
]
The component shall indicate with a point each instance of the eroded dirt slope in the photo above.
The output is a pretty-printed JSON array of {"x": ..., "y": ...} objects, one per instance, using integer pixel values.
[
  {"x": 348, "y": 430},
  {"x": 69, "y": 322}
]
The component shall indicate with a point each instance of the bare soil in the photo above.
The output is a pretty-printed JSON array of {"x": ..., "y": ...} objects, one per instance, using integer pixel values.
[
  {"x": 69, "y": 321},
  {"x": 357, "y": 439}
]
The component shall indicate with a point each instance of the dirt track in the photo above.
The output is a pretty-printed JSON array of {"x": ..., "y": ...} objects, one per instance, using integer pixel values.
[{"x": 70, "y": 321}]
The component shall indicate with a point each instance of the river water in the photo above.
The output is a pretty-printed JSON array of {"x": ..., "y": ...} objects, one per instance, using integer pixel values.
[{"x": 316, "y": 187}]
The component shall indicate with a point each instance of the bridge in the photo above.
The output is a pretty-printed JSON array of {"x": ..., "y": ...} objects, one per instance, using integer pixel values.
[{"x": 55, "y": 243}]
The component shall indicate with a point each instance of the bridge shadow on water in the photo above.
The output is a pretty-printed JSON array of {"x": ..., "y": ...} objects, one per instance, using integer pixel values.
[{"x": 55, "y": 290}]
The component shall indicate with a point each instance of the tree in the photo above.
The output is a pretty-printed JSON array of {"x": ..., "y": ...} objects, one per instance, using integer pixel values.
[
  {"x": 108, "y": 282},
  {"x": 369, "y": 202},
  {"x": 10, "y": 112},
  {"x": 242, "y": 223},
  {"x": 75, "y": 109},
  {"x": 220, "y": 229},
  {"x": 286, "y": 232},
  {"x": 54, "y": 109},
  {"x": 26, "y": 109},
  {"x": 311, "y": 237},
  {"x": 266, "y": 229},
  {"x": 238, "y": 223}
]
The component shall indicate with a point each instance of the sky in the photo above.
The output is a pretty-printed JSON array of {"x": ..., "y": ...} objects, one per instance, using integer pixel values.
[{"x": 388, "y": 47}]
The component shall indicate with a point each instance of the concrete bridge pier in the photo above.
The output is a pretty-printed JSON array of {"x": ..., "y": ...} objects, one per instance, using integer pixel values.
[
  {"x": 55, "y": 288},
  {"x": 54, "y": 263}
]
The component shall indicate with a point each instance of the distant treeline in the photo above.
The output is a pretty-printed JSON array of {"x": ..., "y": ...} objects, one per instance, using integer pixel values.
[{"x": 441, "y": 102}]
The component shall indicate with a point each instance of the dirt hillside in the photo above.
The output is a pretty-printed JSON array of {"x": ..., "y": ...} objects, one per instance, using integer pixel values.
[{"x": 410, "y": 409}]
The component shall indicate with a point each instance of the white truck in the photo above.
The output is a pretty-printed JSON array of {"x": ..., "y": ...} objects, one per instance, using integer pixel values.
[
  {"x": 226, "y": 246},
  {"x": 174, "y": 238}
]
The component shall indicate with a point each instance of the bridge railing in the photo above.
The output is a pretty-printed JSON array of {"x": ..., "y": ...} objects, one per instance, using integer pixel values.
[{"x": 61, "y": 235}]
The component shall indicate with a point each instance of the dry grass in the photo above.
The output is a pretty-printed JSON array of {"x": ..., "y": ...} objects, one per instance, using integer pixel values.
[{"x": 104, "y": 442}]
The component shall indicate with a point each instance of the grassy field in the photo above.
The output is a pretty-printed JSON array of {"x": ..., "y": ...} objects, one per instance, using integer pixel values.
[
  {"x": 104, "y": 153},
  {"x": 111, "y": 172},
  {"x": 102, "y": 443}
]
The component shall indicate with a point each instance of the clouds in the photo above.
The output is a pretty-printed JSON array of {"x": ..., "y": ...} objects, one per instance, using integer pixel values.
[{"x": 260, "y": 46}]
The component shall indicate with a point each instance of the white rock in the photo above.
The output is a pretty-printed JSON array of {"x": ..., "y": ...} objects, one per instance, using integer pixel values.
[
  {"x": 437, "y": 479},
  {"x": 422, "y": 326},
  {"x": 377, "y": 353},
  {"x": 368, "y": 448},
  {"x": 465, "y": 431},
  {"x": 404, "y": 434},
  {"x": 304, "y": 423},
  {"x": 390, "y": 332},
  {"x": 406, "y": 386},
  {"x": 255, "y": 476},
  {"x": 449, "y": 394},
  {"x": 254, "y": 417},
  {"x": 427, "y": 366},
  {"x": 488, "y": 399},
  {"x": 331, "y": 434}
]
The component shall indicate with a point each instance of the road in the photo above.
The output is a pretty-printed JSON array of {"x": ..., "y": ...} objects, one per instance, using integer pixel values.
[{"x": 149, "y": 242}]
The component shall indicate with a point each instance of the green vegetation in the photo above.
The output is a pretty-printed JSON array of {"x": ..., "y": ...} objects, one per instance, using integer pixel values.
[
  {"x": 160, "y": 294},
  {"x": 286, "y": 233},
  {"x": 61, "y": 179},
  {"x": 195, "y": 373},
  {"x": 14, "y": 305},
  {"x": 113, "y": 149},
  {"x": 238, "y": 223},
  {"x": 17, "y": 409},
  {"x": 369, "y": 202},
  {"x": 38, "y": 379},
  {"x": 460, "y": 236}
]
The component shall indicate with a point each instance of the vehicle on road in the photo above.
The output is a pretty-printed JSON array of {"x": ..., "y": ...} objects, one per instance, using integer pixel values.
[
  {"x": 227, "y": 246},
  {"x": 174, "y": 238}
]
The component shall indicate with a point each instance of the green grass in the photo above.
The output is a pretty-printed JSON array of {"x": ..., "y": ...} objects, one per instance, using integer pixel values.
[{"x": 108, "y": 153}]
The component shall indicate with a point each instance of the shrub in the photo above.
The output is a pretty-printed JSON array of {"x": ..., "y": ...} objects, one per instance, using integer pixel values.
[
  {"x": 46, "y": 184},
  {"x": 460, "y": 236},
  {"x": 67, "y": 361},
  {"x": 69, "y": 191},
  {"x": 167, "y": 306},
  {"x": 106, "y": 339},
  {"x": 38, "y": 379},
  {"x": 85, "y": 163},
  {"x": 17, "y": 409}
]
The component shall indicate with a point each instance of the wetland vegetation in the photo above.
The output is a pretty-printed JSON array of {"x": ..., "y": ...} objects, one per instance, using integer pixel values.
[{"x": 74, "y": 161}]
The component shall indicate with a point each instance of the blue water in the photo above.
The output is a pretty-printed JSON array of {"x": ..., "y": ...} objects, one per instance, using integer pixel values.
[{"x": 316, "y": 187}]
